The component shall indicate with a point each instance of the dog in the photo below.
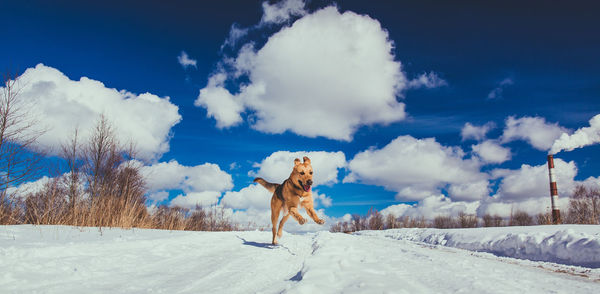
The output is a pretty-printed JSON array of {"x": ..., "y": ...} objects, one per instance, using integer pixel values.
[{"x": 293, "y": 192}]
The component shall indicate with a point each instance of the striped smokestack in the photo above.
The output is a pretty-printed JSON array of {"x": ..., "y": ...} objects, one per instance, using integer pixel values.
[{"x": 553, "y": 191}]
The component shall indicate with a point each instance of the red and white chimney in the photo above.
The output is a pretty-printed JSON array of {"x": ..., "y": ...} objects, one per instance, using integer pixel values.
[{"x": 553, "y": 191}]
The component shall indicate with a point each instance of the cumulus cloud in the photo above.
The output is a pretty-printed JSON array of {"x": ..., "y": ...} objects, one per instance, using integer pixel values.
[
  {"x": 497, "y": 92},
  {"x": 220, "y": 104},
  {"x": 278, "y": 166},
  {"x": 427, "y": 80},
  {"x": 252, "y": 197},
  {"x": 173, "y": 175},
  {"x": 27, "y": 188},
  {"x": 533, "y": 182},
  {"x": 344, "y": 76},
  {"x": 432, "y": 206},
  {"x": 193, "y": 199},
  {"x": 185, "y": 60},
  {"x": 534, "y": 130},
  {"x": 477, "y": 133},
  {"x": 491, "y": 152},
  {"x": 419, "y": 168},
  {"x": 201, "y": 184},
  {"x": 523, "y": 189},
  {"x": 63, "y": 104},
  {"x": 533, "y": 206},
  {"x": 582, "y": 137},
  {"x": 282, "y": 11},
  {"x": 527, "y": 189}
]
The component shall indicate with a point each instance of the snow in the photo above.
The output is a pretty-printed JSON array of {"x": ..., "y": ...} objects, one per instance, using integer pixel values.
[
  {"x": 564, "y": 244},
  {"x": 61, "y": 259}
]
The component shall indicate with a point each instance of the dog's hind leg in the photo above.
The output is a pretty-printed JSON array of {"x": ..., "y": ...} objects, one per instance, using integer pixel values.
[
  {"x": 283, "y": 220},
  {"x": 275, "y": 210}
]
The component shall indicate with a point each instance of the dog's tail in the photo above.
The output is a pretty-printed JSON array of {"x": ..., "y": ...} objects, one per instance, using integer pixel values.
[{"x": 269, "y": 186}]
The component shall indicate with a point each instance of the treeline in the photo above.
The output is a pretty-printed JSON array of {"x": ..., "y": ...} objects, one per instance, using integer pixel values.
[{"x": 584, "y": 208}]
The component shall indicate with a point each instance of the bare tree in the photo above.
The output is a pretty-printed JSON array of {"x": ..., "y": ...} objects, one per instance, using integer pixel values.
[
  {"x": 102, "y": 157},
  {"x": 584, "y": 206},
  {"x": 444, "y": 222},
  {"x": 374, "y": 220},
  {"x": 520, "y": 218},
  {"x": 19, "y": 159},
  {"x": 492, "y": 221},
  {"x": 467, "y": 220}
]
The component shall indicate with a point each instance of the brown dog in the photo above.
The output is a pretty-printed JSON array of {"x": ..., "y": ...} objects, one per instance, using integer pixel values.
[{"x": 292, "y": 192}]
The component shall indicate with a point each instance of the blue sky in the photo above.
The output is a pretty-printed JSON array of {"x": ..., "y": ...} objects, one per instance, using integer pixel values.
[{"x": 525, "y": 72}]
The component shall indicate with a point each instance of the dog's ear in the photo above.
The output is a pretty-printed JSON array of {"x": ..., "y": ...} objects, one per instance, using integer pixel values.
[
  {"x": 296, "y": 161},
  {"x": 306, "y": 160}
]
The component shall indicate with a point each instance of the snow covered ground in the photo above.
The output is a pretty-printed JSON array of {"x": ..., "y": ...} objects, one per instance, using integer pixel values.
[{"x": 57, "y": 259}]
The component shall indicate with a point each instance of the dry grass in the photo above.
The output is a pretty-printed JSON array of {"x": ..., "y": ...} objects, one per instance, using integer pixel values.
[{"x": 102, "y": 187}]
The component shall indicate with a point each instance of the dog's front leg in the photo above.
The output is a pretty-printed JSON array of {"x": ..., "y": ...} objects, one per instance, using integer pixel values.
[
  {"x": 313, "y": 214},
  {"x": 296, "y": 215}
]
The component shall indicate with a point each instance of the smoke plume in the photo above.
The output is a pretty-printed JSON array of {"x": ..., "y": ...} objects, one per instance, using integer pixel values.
[{"x": 582, "y": 137}]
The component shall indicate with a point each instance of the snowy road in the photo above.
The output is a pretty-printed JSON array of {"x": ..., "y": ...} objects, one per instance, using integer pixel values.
[{"x": 69, "y": 260}]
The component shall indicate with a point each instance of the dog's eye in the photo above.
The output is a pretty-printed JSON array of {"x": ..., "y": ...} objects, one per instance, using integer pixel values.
[
  {"x": 311, "y": 172},
  {"x": 302, "y": 173}
]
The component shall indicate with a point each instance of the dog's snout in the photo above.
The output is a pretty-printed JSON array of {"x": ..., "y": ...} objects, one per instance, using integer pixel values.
[{"x": 309, "y": 182}]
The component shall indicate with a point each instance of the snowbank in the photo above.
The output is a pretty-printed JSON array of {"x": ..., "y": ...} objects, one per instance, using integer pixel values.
[{"x": 564, "y": 244}]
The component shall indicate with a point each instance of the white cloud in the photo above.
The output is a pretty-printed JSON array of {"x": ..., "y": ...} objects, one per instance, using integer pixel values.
[
  {"x": 477, "y": 133},
  {"x": 185, "y": 60},
  {"x": 31, "y": 187},
  {"x": 235, "y": 34},
  {"x": 158, "y": 196},
  {"x": 278, "y": 166},
  {"x": 535, "y": 130},
  {"x": 193, "y": 199},
  {"x": 254, "y": 196},
  {"x": 432, "y": 206},
  {"x": 491, "y": 152},
  {"x": 582, "y": 137},
  {"x": 321, "y": 199},
  {"x": 220, "y": 104},
  {"x": 282, "y": 11},
  {"x": 64, "y": 104},
  {"x": 201, "y": 184},
  {"x": 419, "y": 168},
  {"x": 533, "y": 182},
  {"x": 532, "y": 206},
  {"x": 344, "y": 76},
  {"x": 172, "y": 175},
  {"x": 524, "y": 189},
  {"x": 497, "y": 92},
  {"x": 427, "y": 80}
]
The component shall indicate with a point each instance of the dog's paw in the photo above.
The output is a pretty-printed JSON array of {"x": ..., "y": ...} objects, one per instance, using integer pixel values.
[
  {"x": 302, "y": 221},
  {"x": 320, "y": 222}
]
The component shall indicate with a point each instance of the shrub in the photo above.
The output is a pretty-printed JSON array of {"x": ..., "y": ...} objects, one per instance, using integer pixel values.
[
  {"x": 467, "y": 220},
  {"x": 444, "y": 222},
  {"x": 492, "y": 221},
  {"x": 520, "y": 218}
]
